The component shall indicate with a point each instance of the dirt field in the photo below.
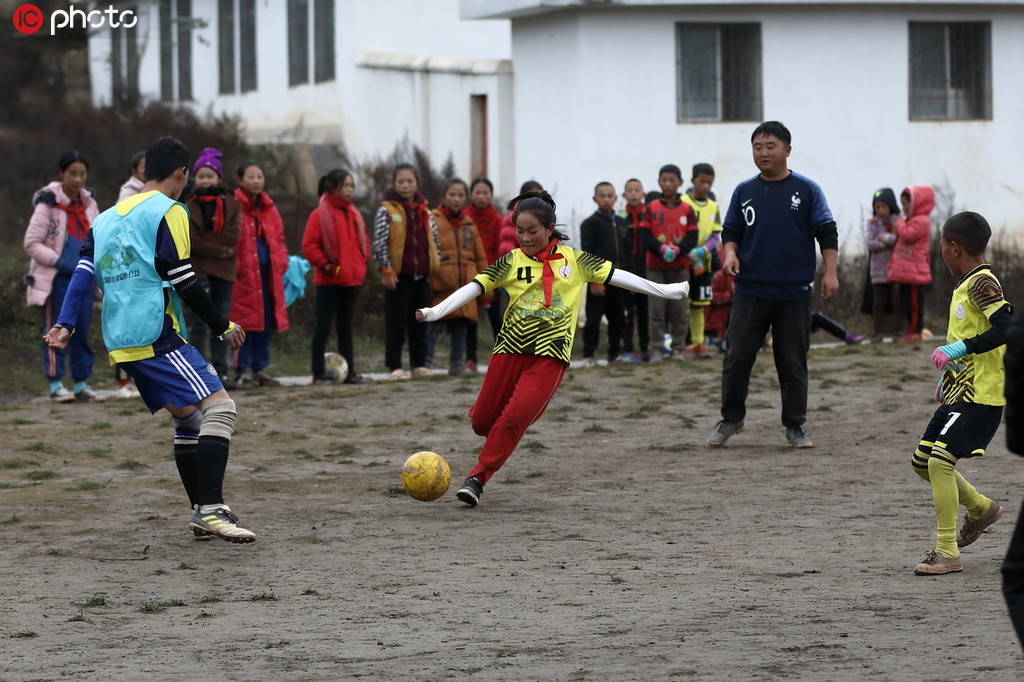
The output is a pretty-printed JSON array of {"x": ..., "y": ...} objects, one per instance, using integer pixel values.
[{"x": 614, "y": 545}]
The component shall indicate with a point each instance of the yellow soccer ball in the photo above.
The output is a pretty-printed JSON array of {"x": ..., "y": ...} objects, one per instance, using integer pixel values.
[{"x": 426, "y": 476}]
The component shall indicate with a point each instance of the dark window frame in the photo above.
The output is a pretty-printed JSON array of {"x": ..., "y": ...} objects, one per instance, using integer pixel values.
[{"x": 719, "y": 69}]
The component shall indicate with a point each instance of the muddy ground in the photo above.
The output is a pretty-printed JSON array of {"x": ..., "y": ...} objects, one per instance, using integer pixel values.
[{"x": 614, "y": 545}]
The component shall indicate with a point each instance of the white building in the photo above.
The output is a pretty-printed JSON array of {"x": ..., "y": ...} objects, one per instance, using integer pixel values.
[{"x": 570, "y": 92}]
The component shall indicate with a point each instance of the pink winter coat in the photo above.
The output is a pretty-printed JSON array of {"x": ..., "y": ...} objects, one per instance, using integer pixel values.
[
  {"x": 45, "y": 236},
  {"x": 910, "y": 263},
  {"x": 247, "y": 296}
]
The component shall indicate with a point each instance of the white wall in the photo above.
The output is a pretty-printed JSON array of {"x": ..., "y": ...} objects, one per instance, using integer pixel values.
[{"x": 838, "y": 81}]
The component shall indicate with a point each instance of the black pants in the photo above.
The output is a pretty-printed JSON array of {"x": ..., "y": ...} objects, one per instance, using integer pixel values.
[
  {"x": 613, "y": 306},
  {"x": 912, "y": 300},
  {"x": 400, "y": 305},
  {"x": 636, "y": 316},
  {"x": 211, "y": 347},
  {"x": 1013, "y": 578},
  {"x": 823, "y": 321},
  {"x": 750, "y": 320},
  {"x": 334, "y": 304}
]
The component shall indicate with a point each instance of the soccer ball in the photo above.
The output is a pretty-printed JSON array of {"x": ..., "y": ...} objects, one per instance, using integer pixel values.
[
  {"x": 426, "y": 476},
  {"x": 335, "y": 367}
]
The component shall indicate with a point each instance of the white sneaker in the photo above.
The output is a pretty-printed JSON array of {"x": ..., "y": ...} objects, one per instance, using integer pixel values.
[
  {"x": 62, "y": 395},
  {"x": 221, "y": 522},
  {"x": 400, "y": 375},
  {"x": 127, "y": 391},
  {"x": 588, "y": 362}
]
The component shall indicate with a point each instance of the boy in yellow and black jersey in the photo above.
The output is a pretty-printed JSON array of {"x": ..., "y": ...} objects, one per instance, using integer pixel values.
[{"x": 971, "y": 392}]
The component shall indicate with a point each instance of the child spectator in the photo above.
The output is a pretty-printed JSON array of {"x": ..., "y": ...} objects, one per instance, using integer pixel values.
[
  {"x": 62, "y": 215},
  {"x": 488, "y": 223},
  {"x": 507, "y": 237},
  {"x": 709, "y": 234},
  {"x": 136, "y": 177},
  {"x": 215, "y": 223},
  {"x": 909, "y": 266},
  {"x": 634, "y": 259},
  {"x": 462, "y": 256},
  {"x": 668, "y": 230},
  {"x": 716, "y": 319},
  {"x": 545, "y": 282},
  {"x": 970, "y": 390},
  {"x": 337, "y": 247},
  {"x": 881, "y": 236},
  {"x": 257, "y": 302},
  {"x": 406, "y": 249},
  {"x": 601, "y": 235}
]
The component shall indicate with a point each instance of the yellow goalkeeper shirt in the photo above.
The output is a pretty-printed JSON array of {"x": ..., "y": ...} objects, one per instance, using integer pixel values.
[{"x": 975, "y": 378}]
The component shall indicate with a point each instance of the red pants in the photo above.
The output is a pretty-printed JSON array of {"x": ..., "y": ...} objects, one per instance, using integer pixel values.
[{"x": 515, "y": 393}]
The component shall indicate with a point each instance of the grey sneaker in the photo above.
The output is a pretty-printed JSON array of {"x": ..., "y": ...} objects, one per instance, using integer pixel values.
[
  {"x": 972, "y": 528},
  {"x": 938, "y": 564},
  {"x": 87, "y": 395},
  {"x": 796, "y": 437},
  {"x": 221, "y": 522},
  {"x": 724, "y": 431},
  {"x": 471, "y": 491}
]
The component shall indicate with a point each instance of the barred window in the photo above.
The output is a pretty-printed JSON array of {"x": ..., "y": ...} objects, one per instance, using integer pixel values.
[
  {"x": 236, "y": 45},
  {"x": 176, "y": 50},
  {"x": 306, "y": 19},
  {"x": 719, "y": 67},
  {"x": 950, "y": 70}
]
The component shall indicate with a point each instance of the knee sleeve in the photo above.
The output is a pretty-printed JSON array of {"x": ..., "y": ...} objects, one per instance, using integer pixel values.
[
  {"x": 919, "y": 461},
  {"x": 218, "y": 419},
  {"x": 187, "y": 430}
]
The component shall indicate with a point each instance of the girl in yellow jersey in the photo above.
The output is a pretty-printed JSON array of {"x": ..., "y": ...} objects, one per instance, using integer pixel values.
[
  {"x": 971, "y": 392},
  {"x": 545, "y": 282}
]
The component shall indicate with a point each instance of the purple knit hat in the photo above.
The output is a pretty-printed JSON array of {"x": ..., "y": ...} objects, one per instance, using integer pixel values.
[{"x": 209, "y": 158}]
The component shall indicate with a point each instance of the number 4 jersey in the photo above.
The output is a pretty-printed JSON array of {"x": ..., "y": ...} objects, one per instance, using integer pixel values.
[{"x": 530, "y": 327}]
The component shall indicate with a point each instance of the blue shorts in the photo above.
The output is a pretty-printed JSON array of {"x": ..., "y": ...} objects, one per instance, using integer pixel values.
[{"x": 180, "y": 378}]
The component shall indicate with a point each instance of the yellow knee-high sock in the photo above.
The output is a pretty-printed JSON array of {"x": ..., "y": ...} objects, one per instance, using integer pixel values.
[
  {"x": 697, "y": 326},
  {"x": 976, "y": 503},
  {"x": 919, "y": 461},
  {"x": 942, "y": 474}
]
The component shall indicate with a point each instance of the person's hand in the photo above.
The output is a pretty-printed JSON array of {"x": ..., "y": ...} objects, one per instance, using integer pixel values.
[
  {"x": 234, "y": 337},
  {"x": 697, "y": 260},
  {"x": 731, "y": 265},
  {"x": 596, "y": 289},
  {"x": 389, "y": 278},
  {"x": 57, "y": 338},
  {"x": 829, "y": 286},
  {"x": 668, "y": 252},
  {"x": 330, "y": 268},
  {"x": 426, "y": 315},
  {"x": 946, "y": 354}
]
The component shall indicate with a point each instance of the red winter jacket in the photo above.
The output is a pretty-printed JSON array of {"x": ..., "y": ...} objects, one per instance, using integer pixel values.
[
  {"x": 507, "y": 235},
  {"x": 910, "y": 263},
  {"x": 247, "y": 297},
  {"x": 340, "y": 252},
  {"x": 488, "y": 223}
]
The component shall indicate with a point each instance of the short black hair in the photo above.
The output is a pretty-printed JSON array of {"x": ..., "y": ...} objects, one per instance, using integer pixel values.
[
  {"x": 602, "y": 184},
  {"x": 136, "y": 157},
  {"x": 454, "y": 181},
  {"x": 671, "y": 168},
  {"x": 246, "y": 165},
  {"x": 479, "y": 180},
  {"x": 541, "y": 206},
  {"x": 970, "y": 230},
  {"x": 334, "y": 179},
  {"x": 531, "y": 186},
  {"x": 166, "y": 155},
  {"x": 405, "y": 166},
  {"x": 633, "y": 180},
  {"x": 773, "y": 129},
  {"x": 705, "y": 168}
]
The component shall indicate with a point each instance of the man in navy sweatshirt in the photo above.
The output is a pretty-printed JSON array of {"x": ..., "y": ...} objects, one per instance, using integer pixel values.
[{"x": 769, "y": 234}]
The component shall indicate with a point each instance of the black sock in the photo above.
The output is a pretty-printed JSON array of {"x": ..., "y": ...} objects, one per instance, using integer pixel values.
[
  {"x": 186, "y": 457},
  {"x": 211, "y": 462}
]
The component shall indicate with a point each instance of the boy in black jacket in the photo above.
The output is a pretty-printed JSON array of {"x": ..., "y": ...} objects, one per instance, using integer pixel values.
[{"x": 601, "y": 235}]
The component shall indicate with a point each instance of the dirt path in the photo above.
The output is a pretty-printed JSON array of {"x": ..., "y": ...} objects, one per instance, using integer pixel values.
[{"x": 614, "y": 544}]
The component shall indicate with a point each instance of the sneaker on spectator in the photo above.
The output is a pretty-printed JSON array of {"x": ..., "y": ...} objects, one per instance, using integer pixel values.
[
  {"x": 87, "y": 395},
  {"x": 797, "y": 437},
  {"x": 128, "y": 391},
  {"x": 421, "y": 372},
  {"x": 471, "y": 366},
  {"x": 853, "y": 339},
  {"x": 724, "y": 431},
  {"x": 399, "y": 375},
  {"x": 588, "y": 362},
  {"x": 262, "y": 379},
  {"x": 62, "y": 395}
]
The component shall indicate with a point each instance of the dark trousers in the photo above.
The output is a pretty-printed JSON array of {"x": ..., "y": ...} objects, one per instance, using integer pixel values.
[
  {"x": 199, "y": 335},
  {"x": 334, "y": 304},
  {"x": 1013, "y": 578},
  {"x": 636, "y": 316},
  {"x": 823, "y": 321},
  {"x": 912, "y": 300},
  {"x": 254, "y": 353},
  {"x": 750, "y": 320},
  {"x": 400, "y": 305},
  {"x": 613, "y": 306},
  {"x": 78, "y": 350}
]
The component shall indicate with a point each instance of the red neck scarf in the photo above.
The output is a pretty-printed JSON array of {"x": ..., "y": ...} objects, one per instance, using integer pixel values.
[
  {"x": 218, "y": 209},
  {"x": 416, "y": 211},
  {"x": 347, "y": 219},
  {"x": 549, "y": 254},
  {"x": 454, "y": 218},
  {"x": 78, "y": 227}
]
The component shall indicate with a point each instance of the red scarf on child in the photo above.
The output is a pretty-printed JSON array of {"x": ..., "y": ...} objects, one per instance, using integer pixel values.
[
  {"x": 78, "y": 227},
  {"x": 329, "y": 230},
  {"x": 549, "y": 254},
  {"x": 634, "y": 215},
  {"x": 218, "y": 210}
]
